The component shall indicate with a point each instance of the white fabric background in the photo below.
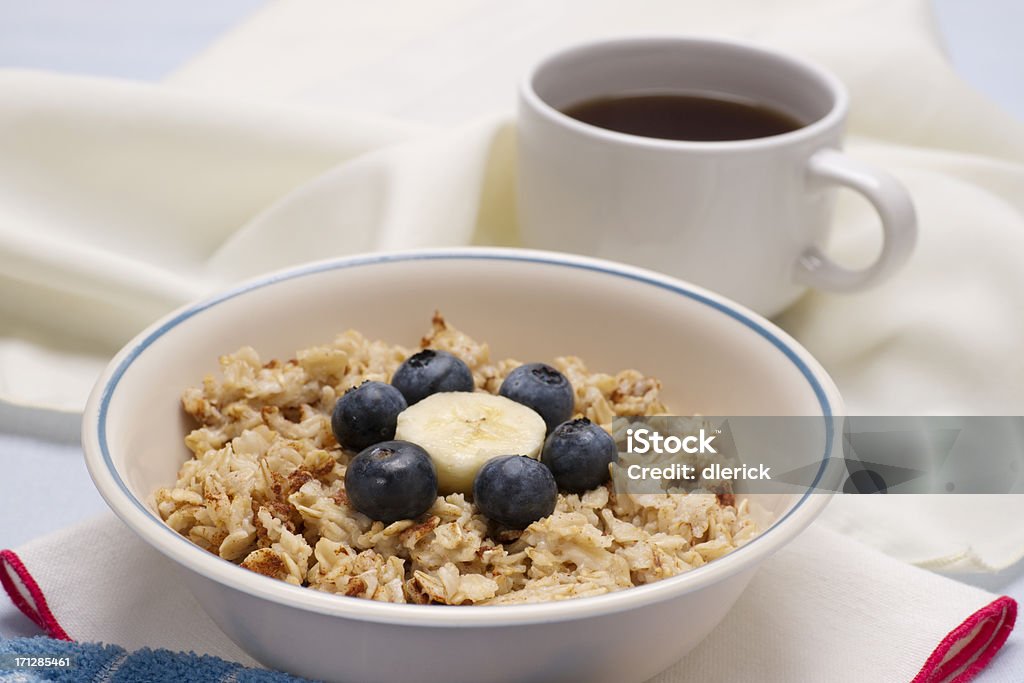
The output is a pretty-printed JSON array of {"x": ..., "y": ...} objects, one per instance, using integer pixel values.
[{"x": 958, "y": 152}]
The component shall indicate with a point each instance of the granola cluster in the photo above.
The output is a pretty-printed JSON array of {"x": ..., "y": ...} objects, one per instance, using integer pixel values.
[{"x": 265, "y": 489}]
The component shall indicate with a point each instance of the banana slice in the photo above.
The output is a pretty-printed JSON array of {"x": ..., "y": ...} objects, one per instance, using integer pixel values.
[{"x": 462, "y": 430}]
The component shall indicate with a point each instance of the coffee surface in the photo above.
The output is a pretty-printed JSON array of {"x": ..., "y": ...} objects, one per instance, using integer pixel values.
[{"x": 684, "y": 116}]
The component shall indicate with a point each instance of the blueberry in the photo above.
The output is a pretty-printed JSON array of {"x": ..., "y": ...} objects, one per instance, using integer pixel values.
[
  {"x": 578, "y": 453},
  {"x": 366, "y": 415},
  {"x": 392, "y": 480},
  {"x": 542, "y": 388},
  {"x": 431, "y": 372},
  {"x": 515, "y": 490}
]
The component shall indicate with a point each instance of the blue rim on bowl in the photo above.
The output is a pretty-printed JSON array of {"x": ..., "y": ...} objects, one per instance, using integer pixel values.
[{"x": 145, "y": 522}]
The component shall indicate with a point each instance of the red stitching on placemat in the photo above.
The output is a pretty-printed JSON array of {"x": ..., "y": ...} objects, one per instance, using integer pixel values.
[
  {"x": 39, "y": 612},
  {"x": 999, "y": 616}
]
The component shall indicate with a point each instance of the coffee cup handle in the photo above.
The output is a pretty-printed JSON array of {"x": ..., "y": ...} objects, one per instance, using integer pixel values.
[{"x": 894, "y": 207}]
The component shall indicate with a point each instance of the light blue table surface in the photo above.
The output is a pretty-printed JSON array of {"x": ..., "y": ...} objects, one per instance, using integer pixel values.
[{"x": 41, "y": 459}]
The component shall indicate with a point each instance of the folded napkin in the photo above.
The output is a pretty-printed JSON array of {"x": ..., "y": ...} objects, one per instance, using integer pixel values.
[
  {"x": 99, "y": 663},
  {"x": 823, "y": 608}
]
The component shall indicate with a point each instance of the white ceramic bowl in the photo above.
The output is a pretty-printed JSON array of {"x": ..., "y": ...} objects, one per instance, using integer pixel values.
[{"x": 713, "y": 357}]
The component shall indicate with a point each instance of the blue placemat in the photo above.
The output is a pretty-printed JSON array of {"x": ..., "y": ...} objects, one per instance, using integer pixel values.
[{"x": 66, "y": 662}]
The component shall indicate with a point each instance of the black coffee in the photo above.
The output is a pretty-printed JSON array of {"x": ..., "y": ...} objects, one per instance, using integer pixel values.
[{"x": 684, "y": 116}]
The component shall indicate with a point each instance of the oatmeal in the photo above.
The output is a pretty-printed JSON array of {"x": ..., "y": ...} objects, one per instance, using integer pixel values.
[{"x": 266, "y": 486}]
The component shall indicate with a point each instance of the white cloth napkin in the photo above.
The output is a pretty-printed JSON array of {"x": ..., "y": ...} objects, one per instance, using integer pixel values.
[
  {"x": 119, "y": 201},
  {"x": 818, "y": 610}
]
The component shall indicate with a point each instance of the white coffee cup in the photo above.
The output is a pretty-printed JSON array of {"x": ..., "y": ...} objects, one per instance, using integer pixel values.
[{"x": 742, "y": 217}]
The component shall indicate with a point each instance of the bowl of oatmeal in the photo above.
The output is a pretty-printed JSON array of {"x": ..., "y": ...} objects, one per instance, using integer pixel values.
[{"x": 397, "y": 465}]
